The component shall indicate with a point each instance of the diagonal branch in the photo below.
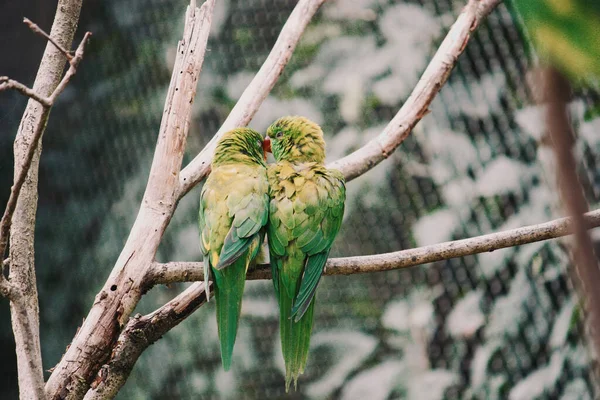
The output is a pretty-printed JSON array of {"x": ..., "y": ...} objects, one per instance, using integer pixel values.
[
  {"x": 416, "y": 106},
  {"x": 35, "y": 28},
  {"x": 256, "y": 92},
  {"x": 113, "y": 305},
  {"x": 165, "y": 273},
  {"x": 141, "y": 332},
  {"x": 47, "y": 103},
  {"x": 7, "y": 83}
]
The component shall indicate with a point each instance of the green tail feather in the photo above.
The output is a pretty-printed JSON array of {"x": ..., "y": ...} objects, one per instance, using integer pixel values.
[
  {"x": 229, "y": 287},
  {"x": 295, "y": 338}
]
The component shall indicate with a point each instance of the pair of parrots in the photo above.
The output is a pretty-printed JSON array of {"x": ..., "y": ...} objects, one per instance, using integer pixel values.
[{"x": 297, "y": 202}]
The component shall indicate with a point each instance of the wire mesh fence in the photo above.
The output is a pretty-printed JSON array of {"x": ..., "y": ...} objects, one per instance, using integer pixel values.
[{"x": 499, "y": 325}]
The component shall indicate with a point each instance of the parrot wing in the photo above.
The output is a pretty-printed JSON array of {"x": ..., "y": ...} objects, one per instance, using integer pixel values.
[
  {"x": 309, "y": 210},
  {"x": 319, "y": 230}
]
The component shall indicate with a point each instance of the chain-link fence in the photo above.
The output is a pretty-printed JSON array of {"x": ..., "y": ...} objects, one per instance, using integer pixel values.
[{"x": 498, "y": 325}]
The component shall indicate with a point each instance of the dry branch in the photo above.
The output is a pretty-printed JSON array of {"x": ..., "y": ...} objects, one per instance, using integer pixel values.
[
  {"x": 93, "y": 343},
  {"x": 141, "y": 332},
  {"x": 34, "y": 27},
  {"x": 47, "y": 102},
  {"x": 165, "y": 273},
  {"x": 20, "y": 212},
  {"x": 7, "y": 83},
  {"x": 256, "y": 92},
  {"x": 416, "y": 106}
]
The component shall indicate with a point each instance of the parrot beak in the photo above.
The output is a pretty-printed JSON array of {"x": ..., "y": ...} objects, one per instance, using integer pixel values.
[{"x": 266, "y": 146}]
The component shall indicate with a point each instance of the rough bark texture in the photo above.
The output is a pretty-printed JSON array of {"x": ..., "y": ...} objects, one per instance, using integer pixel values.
[
  {"x": 94, "y": 341},
  {"x": 141, "y": 332},
  {"x": 25, "y": 312},
  {"x": 165, "y": 273}
]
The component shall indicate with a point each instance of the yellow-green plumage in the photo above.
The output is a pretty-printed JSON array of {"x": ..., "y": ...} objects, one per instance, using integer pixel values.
[
  {"x": 233, "y": 214},
  {"x": 306, "y": 209}
]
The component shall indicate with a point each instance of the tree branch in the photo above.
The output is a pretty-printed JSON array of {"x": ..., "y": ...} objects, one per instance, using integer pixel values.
[
  {"x": 416, "y": 106},
  {"x": 19, "y": 215},
  {"x": 47, "y": 103},
  {"x": 587, "y": 273},
  {"x": 165, "y": 273},
  {"x": 7, "y": 83},
  {"x": 92, "y": 345},
  {"x": 35, "y": 28},
  {"x": 138, "y": 335},
  {"x": 256, "y": 92}
]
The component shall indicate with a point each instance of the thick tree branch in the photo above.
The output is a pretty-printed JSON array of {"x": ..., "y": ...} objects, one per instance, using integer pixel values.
[
  {"x": 92, "y": 345},
  {"x": 416, "y": 106},
  {"x": 141, "y": 332},
  {"x": 19, "y": 215},
  {"x": 556, "y": 97},
  {"x": 165, "y": 273},
  {"x": 256, "y": 92}
]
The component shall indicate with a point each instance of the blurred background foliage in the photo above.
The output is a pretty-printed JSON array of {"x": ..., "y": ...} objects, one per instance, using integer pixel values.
[
  {"x": 498, "y": 325},
  {"x": 567, "y": 33}
]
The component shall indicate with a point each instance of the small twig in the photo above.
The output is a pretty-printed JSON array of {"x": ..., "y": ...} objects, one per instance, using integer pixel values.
[
  {"x": 139, "y": 334},
  {"x": 35, "y": 28},
  {"x": 164, "y": 273},
  {"x": 47, "y": 103},
  {"x": 7, "y": 83},
  {"x": 74, "y": 63}
]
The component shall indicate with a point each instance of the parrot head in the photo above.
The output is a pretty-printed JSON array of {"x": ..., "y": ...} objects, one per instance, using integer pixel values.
[
  {"x": 296, "y": 139},
  {"x": 240, "y": 145}
]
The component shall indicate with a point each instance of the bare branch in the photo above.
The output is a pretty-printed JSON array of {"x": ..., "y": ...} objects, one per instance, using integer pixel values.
[
  {"x": 35, "y": 28},
  {"x": 256, "y": 91},
  {"x": 46, "y": 102},
  {"x": 92, "y": 345},
  {"x": 20, "y": 212},
  {"x": 7, "y": 83},
  {"x": 15, "y": 191},
  {"x": 141, "y": 332},
  {"x": 74, "y": 63},
  {"x": 164, "y": 273},
  {"x": 556, "y": 96},
  {"x": 416, "y": 106}
]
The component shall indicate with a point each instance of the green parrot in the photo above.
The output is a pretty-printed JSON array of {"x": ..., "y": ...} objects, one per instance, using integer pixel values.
[
  {"x": 234, "y": 206},
  {"x": 305, "y": 214}
]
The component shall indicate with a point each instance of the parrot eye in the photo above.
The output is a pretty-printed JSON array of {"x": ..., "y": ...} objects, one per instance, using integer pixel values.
[{"x": 279, "y": 135}]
